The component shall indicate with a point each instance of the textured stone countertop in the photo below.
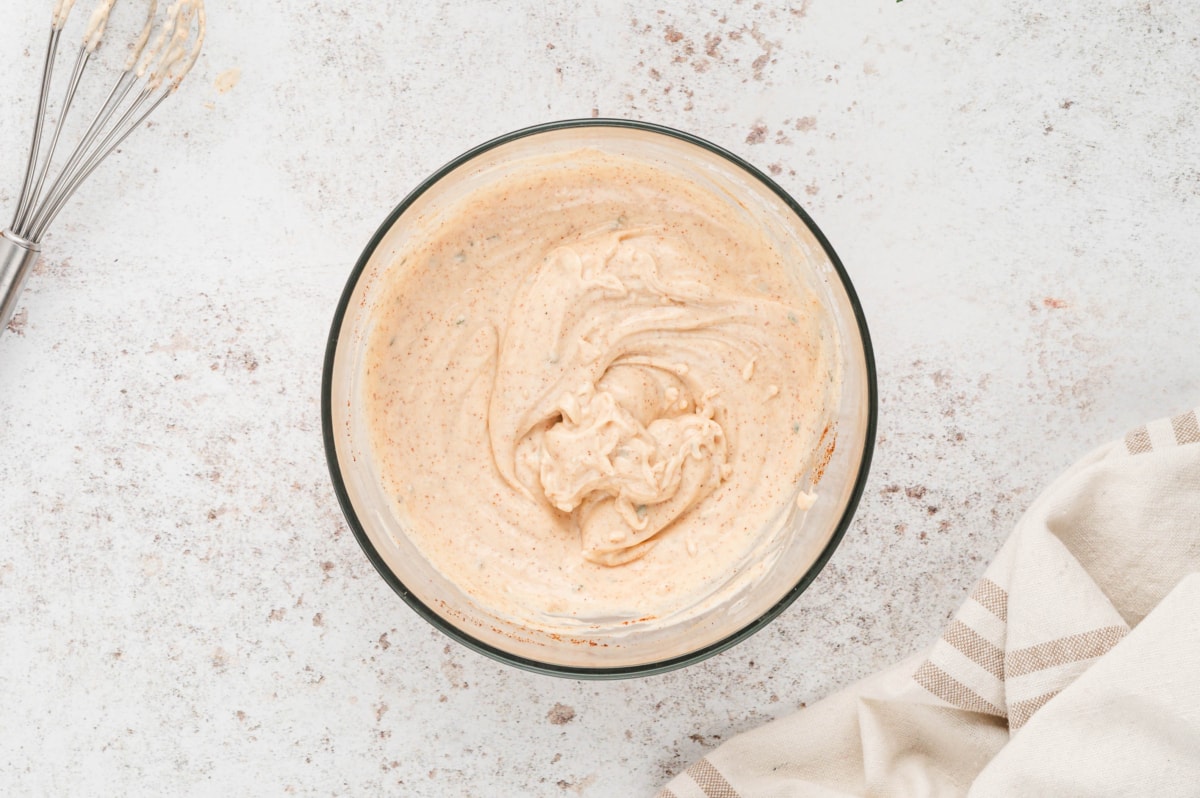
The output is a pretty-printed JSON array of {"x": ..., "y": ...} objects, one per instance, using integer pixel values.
[{"x": 183, "y": 610}]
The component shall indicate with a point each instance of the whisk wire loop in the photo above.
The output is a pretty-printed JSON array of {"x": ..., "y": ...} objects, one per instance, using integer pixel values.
[
  {"x": 157, "y": 62},
  {"x": 72, "y": 86},
  {"x": 39, "y": 124}
]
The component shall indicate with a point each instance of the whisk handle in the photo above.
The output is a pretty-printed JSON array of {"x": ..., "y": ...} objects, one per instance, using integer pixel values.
[{"x": 17, "y": 256}]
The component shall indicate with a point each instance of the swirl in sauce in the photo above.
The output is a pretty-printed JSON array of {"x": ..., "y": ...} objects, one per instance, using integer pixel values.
[{"x": 592, "y": 388}]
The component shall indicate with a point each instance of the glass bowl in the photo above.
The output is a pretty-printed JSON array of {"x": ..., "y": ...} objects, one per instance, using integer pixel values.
[{"x": 809, "y": 535}]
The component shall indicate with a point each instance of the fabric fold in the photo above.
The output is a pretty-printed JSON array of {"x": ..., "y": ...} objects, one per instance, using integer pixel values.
[{"x": 1071, "y": 668}]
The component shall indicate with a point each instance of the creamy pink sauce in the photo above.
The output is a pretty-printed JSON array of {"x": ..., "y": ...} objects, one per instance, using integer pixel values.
[{"x": 593, "y": 387}]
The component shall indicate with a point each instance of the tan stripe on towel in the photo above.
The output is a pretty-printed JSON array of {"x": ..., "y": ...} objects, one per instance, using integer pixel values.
[
  {"x": 992, "y": 598},
  {"x": 952, "y": 691},
  {"x": 1063, "y": 650},
  {"x": 1020, "y": 712},
  {"x": 710, "y": 781},
  {"x": 665, "y": 793},
  {"x": 1186, "y": 428},
  {"x": 976, "y": 648},
  {"x": 1138, "y": 441}
]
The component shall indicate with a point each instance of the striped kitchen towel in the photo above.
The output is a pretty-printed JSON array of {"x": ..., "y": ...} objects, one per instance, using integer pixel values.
[{"x": 1073, "y": 668}]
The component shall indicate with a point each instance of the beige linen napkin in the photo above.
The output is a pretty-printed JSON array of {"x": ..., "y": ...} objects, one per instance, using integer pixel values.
[{"x": 1072, "y": 669}]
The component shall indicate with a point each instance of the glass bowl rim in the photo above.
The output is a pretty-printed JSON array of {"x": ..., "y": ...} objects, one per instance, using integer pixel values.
[{"x": 524, "y": 663}]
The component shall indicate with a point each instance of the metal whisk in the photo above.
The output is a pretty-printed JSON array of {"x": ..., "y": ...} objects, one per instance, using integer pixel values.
[{"x": 157, "y": 64}]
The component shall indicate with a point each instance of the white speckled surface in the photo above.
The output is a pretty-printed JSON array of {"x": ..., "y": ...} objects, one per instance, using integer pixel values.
[{"x": 182, "y": 608}]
